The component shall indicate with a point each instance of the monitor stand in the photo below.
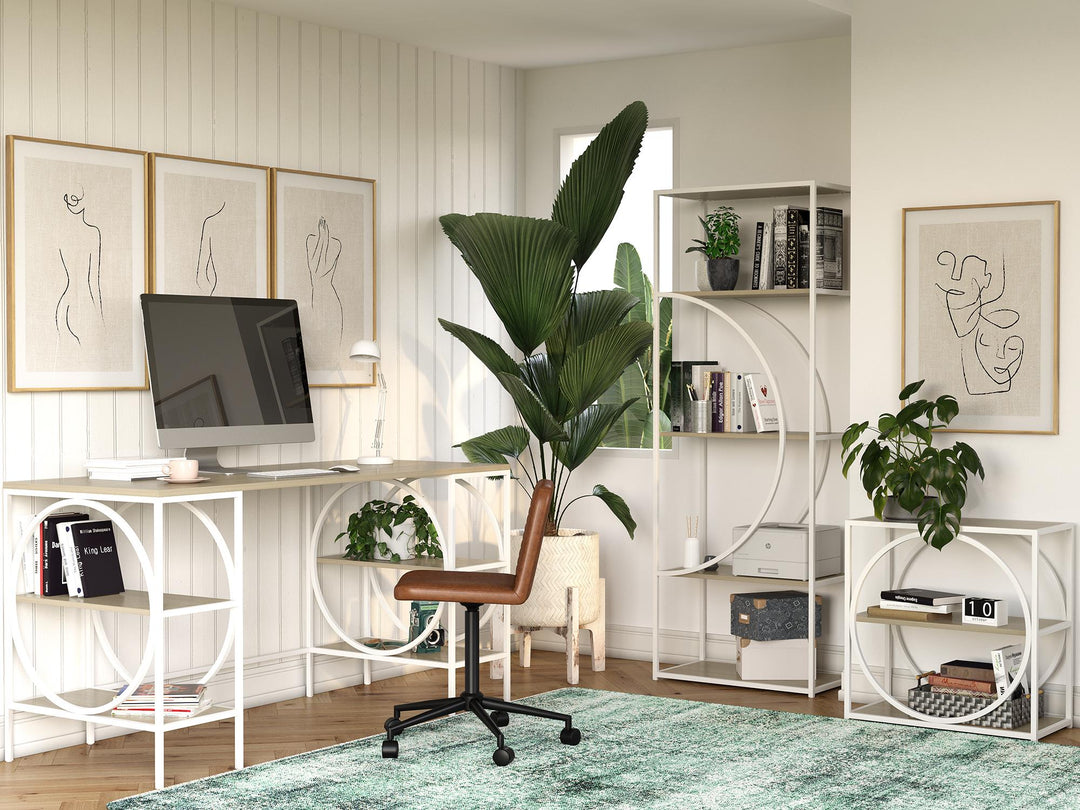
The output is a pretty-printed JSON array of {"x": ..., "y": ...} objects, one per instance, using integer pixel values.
[{"x": 208, "y": 461}]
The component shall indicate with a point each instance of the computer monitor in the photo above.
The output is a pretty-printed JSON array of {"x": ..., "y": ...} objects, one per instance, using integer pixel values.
[{"x": 226, "y": 371}]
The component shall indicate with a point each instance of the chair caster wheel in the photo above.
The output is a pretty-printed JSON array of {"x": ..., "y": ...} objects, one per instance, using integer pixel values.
[
  {"x": 500, "y": 718},
  {"x": 390, "y": 749},
  {"x": 570, "y": 736},
  {"x": 503, "y": 756}
]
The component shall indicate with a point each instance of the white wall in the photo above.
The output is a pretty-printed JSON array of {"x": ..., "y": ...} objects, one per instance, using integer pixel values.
[
  {"x": 956, "y": 103},
  {"x": 438, "y": 134},
  {"x": 748, "y": 115}
]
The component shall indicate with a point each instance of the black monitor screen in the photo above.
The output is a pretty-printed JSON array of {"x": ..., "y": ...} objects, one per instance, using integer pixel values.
[{"x": 218, "y": 362}]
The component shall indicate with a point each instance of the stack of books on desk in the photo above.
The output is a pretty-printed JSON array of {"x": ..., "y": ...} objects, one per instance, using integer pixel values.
[
  {"x": 917, "y": 604},
  {"x": 125, "y": 469},
  {"x": 180, "y": 700}
]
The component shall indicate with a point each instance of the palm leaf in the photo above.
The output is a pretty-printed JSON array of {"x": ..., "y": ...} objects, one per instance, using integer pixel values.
[
  {"x": 592, "y": 368},
  {"x": 590, "y": 314},
  {"x": 585, "y": 432},
  {"x": 629, "y": 277},
  {"x": 487, "y": 351},
  {"x": 618, "y": 508},
  {"x": 498, "y": 445},
  {"x": 536, "y": 417},
  {"x": 541, "y": 375},
  {"x": 523, "y": 265},
  {"x": 629, "y": 429},
  {"x": 592, "y": 191}
]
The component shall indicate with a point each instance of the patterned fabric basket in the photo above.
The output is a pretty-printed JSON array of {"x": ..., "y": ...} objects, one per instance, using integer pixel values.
[{"x": 1010, "y": 714}]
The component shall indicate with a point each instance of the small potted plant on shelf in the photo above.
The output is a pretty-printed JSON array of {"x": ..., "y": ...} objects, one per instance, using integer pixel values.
[
  {"x": 408, "y": 528},
  {"x": 905, "y": 476},
  {"x": 720, "y": 245}
]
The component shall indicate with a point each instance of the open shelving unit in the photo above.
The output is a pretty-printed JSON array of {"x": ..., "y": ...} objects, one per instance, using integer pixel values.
[{"x": 713, "y": 305}]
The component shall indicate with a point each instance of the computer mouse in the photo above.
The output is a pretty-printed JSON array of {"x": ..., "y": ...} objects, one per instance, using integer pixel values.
[{"x": 345, "y": 468}]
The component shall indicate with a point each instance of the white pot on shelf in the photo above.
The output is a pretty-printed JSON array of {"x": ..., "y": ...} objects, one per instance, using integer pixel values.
[
  {"x": 570, "y": 558},
  {"x": 401, "y": 542}
]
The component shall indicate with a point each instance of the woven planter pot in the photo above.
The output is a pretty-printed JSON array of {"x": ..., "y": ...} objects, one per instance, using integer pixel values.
[{"x": 566, "y": 559}]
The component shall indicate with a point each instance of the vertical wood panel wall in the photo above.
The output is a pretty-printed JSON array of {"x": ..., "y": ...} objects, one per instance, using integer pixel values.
[{"x": 437, "y": 133}]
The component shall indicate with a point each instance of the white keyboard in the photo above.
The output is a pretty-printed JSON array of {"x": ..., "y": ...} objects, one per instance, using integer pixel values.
[{"x": 291, "y": 473}]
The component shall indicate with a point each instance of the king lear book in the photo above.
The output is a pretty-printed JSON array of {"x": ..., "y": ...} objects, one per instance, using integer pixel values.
[
  {"x": 90, "y": 558},
  {"x": 53, "y": 579}
]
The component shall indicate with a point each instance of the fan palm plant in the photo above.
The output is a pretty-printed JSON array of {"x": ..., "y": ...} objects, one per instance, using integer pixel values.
[{"x": 574, "y": 346}]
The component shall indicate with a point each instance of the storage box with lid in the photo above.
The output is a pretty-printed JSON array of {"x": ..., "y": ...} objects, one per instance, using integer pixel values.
[
  {"x": 772, "y": 615},
  {"x": 781, "y": 550},
  {"x": 783, "y": 660}
]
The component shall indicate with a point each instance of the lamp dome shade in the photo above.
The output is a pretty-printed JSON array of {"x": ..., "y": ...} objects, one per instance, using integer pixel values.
[{"x": 365, "y": 351}]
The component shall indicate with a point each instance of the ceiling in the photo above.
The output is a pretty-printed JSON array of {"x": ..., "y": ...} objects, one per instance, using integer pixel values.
[{"x": 545, "y": 33}]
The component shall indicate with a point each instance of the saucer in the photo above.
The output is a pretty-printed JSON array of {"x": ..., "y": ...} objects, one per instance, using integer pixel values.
[{"x": 185, "y": 480}]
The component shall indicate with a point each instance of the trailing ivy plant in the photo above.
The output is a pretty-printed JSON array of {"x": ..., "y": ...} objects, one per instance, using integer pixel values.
[
  {"x": 379, "y": 516},
  {"x": 901, "y": 461},
  {"x": 721, "y": 234}
]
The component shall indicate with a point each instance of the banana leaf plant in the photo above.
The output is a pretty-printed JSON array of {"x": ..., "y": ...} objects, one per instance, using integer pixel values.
[
  {"x": 901, "y": 462},
  {"x": 634, "y": 427},
  {"x": 572, "y": 346}
]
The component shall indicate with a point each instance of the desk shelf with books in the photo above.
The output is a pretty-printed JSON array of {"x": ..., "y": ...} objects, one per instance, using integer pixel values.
[
  {"x": 1043, "y": 646},
  {"x": 775, "y": 329}
]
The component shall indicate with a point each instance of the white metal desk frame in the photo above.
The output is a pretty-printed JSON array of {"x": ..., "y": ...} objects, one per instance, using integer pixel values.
[
  {"x": 96, "y": 494},
  {"x": 1029, "y": 531}
]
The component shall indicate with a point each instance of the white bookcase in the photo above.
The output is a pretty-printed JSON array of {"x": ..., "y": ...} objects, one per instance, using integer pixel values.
[{"x": 817, "y": 430}]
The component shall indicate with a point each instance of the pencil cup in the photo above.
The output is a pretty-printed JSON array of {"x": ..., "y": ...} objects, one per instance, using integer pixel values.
[
  {"x": 691, "y": 552},
  {"x": 699, "y": 416}
]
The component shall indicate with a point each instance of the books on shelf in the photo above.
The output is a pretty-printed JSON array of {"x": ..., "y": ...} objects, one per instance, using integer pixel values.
[
  {"x": 762, "y": 404},
  {"x": 1006, "y": 663},
  {"x": 779, "y": 243},
  {"x": 129, "y": 468},
  {"x": 759, "y": 235},
  {"x": 90, "y": 557},
  {"x": 766, "y": 258},
  {"x": 922, "y": 596},
  {"x": 178, "y": 700},
  {"x": 907, "y": 615},
  {"x": 729, "y": 401},
  {"x": 789, "y": 265},
  {"x": 908, "y": 607},
  {"x": 968, "y": 685},
  {"x": 53, "y": 576},
  {"x": 972, "y": 670},
  {"x": 798, "y": 238},
  {"x": 829, "y": 251}
]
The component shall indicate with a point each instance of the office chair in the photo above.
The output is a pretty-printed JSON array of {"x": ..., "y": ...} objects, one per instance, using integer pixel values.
[{"x": 473, "y": 589}]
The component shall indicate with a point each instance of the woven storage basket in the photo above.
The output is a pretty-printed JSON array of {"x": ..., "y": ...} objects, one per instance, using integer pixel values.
[
  {"x": 1010, "y": 714},
  {"x": 570, "y": 558}
]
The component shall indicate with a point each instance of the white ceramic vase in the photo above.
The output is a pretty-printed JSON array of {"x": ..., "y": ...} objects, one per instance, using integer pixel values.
[
  {"x": 567, "y": 559},
  {"x": 401, "y": 542}
]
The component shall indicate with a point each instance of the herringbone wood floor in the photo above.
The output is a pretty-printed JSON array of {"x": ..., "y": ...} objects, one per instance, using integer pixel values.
[{"x": 82, "y": 777}]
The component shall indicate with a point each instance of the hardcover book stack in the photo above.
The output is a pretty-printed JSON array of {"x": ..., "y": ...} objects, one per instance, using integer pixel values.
[
  {"x": 179, "y": 700},
  {"x": 90, "y": 558},
  {"x": 917, "y": 604},
  {"x": 739, "y": 402},
  {"x": 782, "y": 254},
  {"x": 125, "y": 469}
]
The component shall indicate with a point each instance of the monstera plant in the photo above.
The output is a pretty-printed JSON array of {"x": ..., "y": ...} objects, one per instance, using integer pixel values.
[{"x": 571, "y": 346}]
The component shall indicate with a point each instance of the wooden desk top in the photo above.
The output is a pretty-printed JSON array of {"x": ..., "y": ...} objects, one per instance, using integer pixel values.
[{"x": 152, "y": 488}]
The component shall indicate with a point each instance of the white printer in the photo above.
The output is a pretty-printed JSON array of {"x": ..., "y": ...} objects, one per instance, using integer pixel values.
[{"x": 780, "y": 550}]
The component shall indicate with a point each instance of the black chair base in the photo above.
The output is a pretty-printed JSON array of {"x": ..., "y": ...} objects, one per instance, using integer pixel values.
[{"x": 493, "y": 713}]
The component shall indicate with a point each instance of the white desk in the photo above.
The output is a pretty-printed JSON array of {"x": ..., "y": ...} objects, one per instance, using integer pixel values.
[{"x": 112, "y": 498}]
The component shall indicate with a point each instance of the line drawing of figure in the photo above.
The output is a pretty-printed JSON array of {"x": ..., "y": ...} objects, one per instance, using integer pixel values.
[
  {"x": 990, "y": 357},
  {"x": 206, "y": 278},
  {"x": 82, "y": 254},
  {"x": 323, "y": 252}
]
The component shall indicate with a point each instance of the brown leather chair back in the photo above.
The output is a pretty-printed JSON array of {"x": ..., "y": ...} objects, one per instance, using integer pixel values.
[{"x": 533, "y": 538}]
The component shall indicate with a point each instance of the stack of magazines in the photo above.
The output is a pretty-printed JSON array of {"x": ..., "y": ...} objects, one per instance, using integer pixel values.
[
  {"x": 125, "y": 469},
  {"x": 180, "y": 700}
]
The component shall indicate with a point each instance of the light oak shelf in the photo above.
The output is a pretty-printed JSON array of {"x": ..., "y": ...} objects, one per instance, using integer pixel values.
[
  {"x": 89, "y": 698},
  {"x": 779, "y": 292},
  {"x": 136, "y": 602},
  {"x": 436, "y": 660},
  {"x": 772, "y": 435},
  {"x": 1015, "y": 627},
  {"x": 722, "y": 673},
  {"x": 416, "y": 564},
  {"x": 882, "y": 712},
  {"x": 754, "y": 191},
  {"x": 724, "y": 573}
]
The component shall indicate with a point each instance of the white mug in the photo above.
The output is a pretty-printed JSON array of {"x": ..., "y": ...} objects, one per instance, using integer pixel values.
[{"x": 182, "y": 469}]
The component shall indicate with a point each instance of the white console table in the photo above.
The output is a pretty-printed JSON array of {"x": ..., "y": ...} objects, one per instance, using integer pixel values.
[
  {"x": 1053, "y": 577},
  {"x": 112, "y": 499}
]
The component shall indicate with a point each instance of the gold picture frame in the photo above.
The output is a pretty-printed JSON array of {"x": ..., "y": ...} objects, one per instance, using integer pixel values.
[
  {"x": 979, "y": 312},
  {"x": 323, "y": 256},
  {"x": 211, "y": 227},
  {"x": 77, "y": 261}
]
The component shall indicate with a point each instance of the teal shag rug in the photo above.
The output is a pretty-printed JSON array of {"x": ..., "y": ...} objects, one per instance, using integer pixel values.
[{"x": 642, "y": 752}]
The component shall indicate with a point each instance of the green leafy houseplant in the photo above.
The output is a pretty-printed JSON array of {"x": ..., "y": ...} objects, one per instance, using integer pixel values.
[
  {"x": 721, "y": 234},
  {"x": 902, "y": 462},
  {"x": 379, "y": 516},
  {"x": 572, "y": 346},
  {"x": 634, "y": 427}
]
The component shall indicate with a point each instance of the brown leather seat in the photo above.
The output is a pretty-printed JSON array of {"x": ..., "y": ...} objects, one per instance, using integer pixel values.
[
  {"x": 484, "y": 587},
  {"x": 473, "y": 589}
]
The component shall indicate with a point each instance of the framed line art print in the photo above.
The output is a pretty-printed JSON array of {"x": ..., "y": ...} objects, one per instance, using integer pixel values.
[
  {"x": 324, "y": 257},
  {"x": 980, "y": 312},
  {"x": 76, "y": 265},
  {"x": 211, "y": 227}
]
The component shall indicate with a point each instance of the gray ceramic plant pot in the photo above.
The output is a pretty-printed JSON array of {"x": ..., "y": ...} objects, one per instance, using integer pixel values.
[
  {"x": 894, "y": 511},
  {"x": 723, "y": 273}
]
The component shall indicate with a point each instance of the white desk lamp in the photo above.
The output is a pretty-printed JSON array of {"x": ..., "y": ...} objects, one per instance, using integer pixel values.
[{"x": 367, "y": 351}]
